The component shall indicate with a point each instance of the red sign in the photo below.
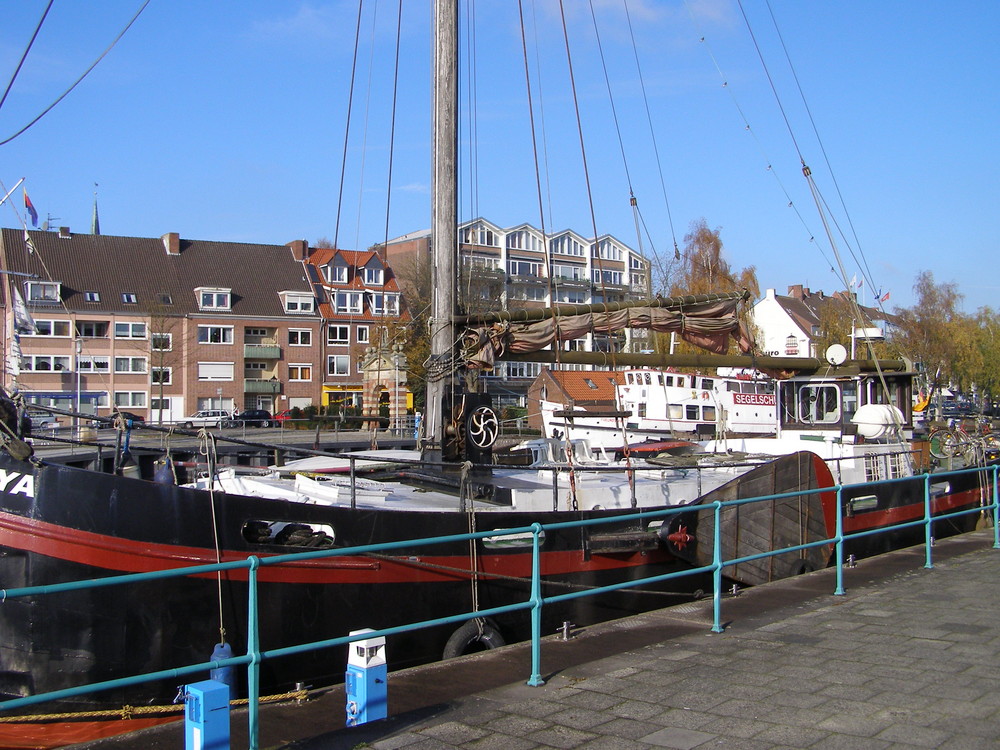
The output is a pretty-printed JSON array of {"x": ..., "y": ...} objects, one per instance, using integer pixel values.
[{"x": 754, "y": 399}]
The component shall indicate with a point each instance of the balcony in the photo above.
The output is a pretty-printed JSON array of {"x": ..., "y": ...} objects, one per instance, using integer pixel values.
[
  {"x": 261, "y": 351},
  {"x": 260, "y": 385}
]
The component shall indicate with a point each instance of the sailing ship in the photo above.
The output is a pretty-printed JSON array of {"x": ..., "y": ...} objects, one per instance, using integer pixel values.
[{"x": 60, "y": 522}]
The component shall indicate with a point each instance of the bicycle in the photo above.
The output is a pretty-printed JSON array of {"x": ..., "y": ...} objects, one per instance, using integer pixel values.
[{"x": 953, "y": 441}]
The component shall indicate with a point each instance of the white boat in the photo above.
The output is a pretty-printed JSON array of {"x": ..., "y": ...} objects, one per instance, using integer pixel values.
[{"x": 655, "y": 404}]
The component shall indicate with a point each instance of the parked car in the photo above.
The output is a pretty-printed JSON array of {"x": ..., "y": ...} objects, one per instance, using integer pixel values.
[
  {"x": 251, "y": 418},
  {"x": 283, "y": 416},
  {"x": 42, "y": 420},
  {"x": 205, "y": 418}
]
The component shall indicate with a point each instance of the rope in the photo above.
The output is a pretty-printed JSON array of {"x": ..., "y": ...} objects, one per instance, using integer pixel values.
[
  {"x": 130, "y": 712},
  {"x": 207, "y": 448}
]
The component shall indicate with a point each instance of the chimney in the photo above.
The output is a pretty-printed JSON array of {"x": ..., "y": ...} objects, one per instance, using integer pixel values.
[
  {"x": 64, "y": 233},
  {"x": 299, "y": 248},
  {"x": 796, "y": 291},
  {"x": 172, "y": 243}
]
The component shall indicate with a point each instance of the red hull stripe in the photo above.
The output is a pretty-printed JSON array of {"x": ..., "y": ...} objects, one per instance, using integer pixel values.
[
  {"x": 913, "y": 511},
  {"x": 129, "y": 556}
]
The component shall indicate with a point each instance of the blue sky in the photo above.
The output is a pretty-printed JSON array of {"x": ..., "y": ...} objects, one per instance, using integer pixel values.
[{"x": 225, "y": 120}]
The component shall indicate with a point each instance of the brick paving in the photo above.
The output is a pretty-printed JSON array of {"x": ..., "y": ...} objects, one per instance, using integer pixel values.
[{"x": 911, "y": 660}]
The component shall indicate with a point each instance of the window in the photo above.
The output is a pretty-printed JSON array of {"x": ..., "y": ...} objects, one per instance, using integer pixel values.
[
  {"x": 524, "y": 240},
  {"x": 161, "y": 342},
  {"x": 214, "y": 299},
  {"x": 91, "y": 297},
  {"x": 607, "y": 277},
  {"x": 43, "y": 291},
  {"x": 92, "y": 329},
  {"x": 130, "y": 364},
  {"x": 130, "y": 330},
  {"x": 51, "y": 328},
  {"x": 130, "y": 398},
  {"x": 373, "y": 276},
  {"x": 129, "y": 298},
  {"x": 298, "y": 303},
  {"x": 254, "y": 370},
  {"x": 362, "y": 334},
  {"x": 85, "y": 363},
  {"x": 349, "y": 302},
  {"x": 338, "y": 364},
  {"x": 45, "y": 363},
  {"x": 215, "y": 334},
  {"x": 164, "y": 298},
  {"x": 338, "y": 335},
  {"x": 566, "y": 245},
  {"x": 161, "y": 375},
  {"x": 215, "y": 371},
  {"x": 606, "y": 249},
  {"x": 337, "y": 273},
  {"x": 299, "y": 337},
  {"x": 525, "y": 268},
  {"x": 385, "y": 304},
  {"x": 254, "y": 333},
  {"x": 299, "y": 372}
]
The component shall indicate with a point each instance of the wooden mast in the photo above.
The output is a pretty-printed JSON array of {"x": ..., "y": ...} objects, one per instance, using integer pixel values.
[{"x": 444, "y": 218}]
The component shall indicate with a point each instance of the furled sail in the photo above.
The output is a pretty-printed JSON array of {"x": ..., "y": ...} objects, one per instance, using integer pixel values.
[{"x": 707, "y": 321}]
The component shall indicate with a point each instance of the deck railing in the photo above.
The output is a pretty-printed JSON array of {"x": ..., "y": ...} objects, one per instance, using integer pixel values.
[{"x": 535, "y": 601}]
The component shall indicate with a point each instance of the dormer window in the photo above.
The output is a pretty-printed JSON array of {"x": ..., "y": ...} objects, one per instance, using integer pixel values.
[
  {"x": 337, "y": 273},
  {"x": 373, "y": 275},
  {"x": 214, "y": 299},
  {"x": 298, "y": 303},
  {"x": 43, "y": 291},
  {"x": 91, "y": 297},
  {"x": 129, "y": 298}
]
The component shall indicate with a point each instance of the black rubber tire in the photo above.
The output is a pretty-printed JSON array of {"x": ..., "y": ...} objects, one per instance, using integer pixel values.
[
  {"x": 265, "y": 423},
  {"x": 463, "y": 640}
]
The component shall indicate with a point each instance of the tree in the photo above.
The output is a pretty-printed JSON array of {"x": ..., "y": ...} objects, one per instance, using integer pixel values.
[
  {"x": 704, "y": 270},
  {"x": 929, "y": 330}
]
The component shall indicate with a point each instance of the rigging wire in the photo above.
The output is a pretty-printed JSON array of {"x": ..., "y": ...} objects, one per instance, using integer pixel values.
[
  {"x": 78, "y": 80},
  {"x": 24, "y": 55},
  {"x": 652, "y": 133},
  {"x": 746, "y": 126},
  {"x": 863, "y": 263},
  {"x": 347, "y": 125}
]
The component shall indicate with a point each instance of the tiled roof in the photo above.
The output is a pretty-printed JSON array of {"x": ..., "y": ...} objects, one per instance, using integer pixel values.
[
  {"x": 111, "y": 266},
  {"x": 587, "y": 386}
]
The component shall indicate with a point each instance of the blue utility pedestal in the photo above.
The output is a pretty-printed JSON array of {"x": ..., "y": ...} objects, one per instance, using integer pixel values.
[
  {"x": 365, "y": 681},
  {"x": 206, "y": 716}
]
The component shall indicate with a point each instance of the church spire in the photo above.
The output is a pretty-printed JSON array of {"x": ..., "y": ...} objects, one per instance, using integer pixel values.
[{"x": 95, "y": 222}]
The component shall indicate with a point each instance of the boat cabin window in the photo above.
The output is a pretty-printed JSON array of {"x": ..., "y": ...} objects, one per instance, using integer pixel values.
[
  {"x": 708, "y": 413},
  {"x": 659, "y": 379},
  {"x": 850, "y": 400},
  {"x": 818, "y": 404},
  {"x": 707, "y": 384},
  {"x": 691, "y": 411},
  {"x": 675, "y": 411},
  {"x": 649, "y": 380}
]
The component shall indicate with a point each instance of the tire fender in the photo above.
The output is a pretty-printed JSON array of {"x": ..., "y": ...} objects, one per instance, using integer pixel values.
[{"x": 470, "y": 634}]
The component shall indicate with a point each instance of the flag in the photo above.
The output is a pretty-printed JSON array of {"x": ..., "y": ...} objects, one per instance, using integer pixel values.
[
  {"x": 30, "y": 208},
  {"x": 884, "y": 297},
  {"x": 861, "y": 283},
  {"x": 28, "y": 243},
  {"x": 23, "y": 322},
  {"x": 854, "y": 281}
]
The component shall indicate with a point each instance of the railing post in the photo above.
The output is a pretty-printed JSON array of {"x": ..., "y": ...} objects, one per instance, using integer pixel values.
[
  {"x": 928, "y": 538},
  {"x": 717, "y": 568},
  {"x": 536, "y": 607},
  {"x": 995, "y": 505},
  {"x": 839, "y": 544},
  {"x": 253, "y": 651}
]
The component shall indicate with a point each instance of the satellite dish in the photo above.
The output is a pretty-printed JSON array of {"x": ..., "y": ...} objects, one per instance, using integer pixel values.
[{"x": 836, "y": 355}]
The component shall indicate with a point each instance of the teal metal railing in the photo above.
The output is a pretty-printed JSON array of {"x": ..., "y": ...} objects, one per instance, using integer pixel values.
[{"x": 535, "y": 601}]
